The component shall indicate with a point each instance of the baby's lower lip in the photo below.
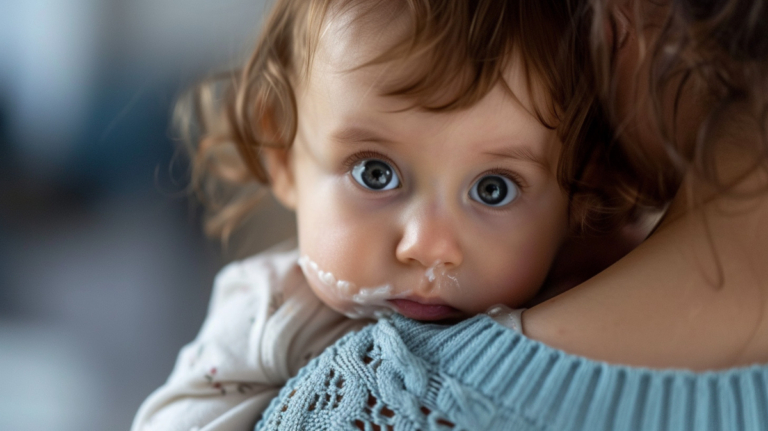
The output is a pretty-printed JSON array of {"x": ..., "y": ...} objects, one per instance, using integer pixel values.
[{"x": 418, "y": 311}]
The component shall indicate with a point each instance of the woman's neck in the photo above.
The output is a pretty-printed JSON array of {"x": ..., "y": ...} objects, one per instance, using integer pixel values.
[{"x": 694, "y": 295}]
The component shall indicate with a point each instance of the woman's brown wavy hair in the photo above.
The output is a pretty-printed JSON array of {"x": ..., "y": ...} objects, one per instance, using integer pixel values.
[
  {"x": 717, "y": 49},
  {"x": 462, "y": 45}
]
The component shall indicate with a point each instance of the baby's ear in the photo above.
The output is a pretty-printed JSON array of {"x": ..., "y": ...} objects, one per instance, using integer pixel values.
[{"x": 279, "y": 164}]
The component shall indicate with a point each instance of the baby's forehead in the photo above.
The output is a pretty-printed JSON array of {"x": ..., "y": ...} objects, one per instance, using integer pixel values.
[
  {"x": 352, "y": 40},
  {"x": 349, "y": 48},
  {"x": 348, "y": 107}
]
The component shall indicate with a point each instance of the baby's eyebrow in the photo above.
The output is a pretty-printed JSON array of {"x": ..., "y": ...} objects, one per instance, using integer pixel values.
[
  {"x": 355, "y": 134},
  {"x": 520, "y": 153}
]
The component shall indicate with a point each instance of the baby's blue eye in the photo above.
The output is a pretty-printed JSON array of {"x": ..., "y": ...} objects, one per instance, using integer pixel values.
[
  {"x": 376, "y": 175},
  {"x": 494, "y": 190}
]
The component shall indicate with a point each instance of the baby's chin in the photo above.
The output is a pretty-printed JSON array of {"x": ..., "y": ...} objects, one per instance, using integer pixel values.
[{"x": 361, "y": 311}]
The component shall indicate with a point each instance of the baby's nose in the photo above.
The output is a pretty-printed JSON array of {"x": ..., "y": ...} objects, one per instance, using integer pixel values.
[{"x": 430, "y": 238}]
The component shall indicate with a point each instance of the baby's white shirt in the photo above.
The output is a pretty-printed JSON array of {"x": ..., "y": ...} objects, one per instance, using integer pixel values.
[{"x": 264, "y": 323}]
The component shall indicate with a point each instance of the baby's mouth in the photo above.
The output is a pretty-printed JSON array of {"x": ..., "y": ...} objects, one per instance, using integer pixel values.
[
  {"x": 384, "y": 299},
  {"x": 417, "y": 310}
]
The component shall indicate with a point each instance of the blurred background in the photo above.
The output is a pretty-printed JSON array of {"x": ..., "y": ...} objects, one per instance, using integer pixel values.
[{"x": 104, "y": 271}]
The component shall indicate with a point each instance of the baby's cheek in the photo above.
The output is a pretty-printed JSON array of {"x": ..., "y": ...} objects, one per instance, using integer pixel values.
[
  {"x": 342, "y": 256},
  {"x": 526, "y": 275},
  {"x": 345, "y": 296},
  {"x": 509, "y": 277},
  {"x": 349, "y": 243}
]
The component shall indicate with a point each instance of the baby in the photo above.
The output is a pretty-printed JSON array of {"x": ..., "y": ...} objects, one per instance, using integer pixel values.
[{"x": 428, "y": 151}]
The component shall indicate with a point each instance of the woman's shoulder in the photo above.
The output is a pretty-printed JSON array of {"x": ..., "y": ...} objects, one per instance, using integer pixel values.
[{"x": 480, "y": 375}]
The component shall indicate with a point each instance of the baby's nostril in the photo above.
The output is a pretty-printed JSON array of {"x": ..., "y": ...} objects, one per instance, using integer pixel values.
[{"x": 430, "y": 272}]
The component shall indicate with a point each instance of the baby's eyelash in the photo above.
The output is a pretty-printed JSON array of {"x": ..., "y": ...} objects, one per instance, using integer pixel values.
[
  {"x": 512, "y": 176},
  {"x": 358, "y": 157}
]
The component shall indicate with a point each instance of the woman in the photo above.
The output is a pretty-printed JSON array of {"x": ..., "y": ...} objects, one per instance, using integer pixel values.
[{"x": 666, "y": 338}]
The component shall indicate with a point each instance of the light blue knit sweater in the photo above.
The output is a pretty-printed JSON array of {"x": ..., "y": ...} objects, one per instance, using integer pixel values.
[{"x": 477, "y": 375}]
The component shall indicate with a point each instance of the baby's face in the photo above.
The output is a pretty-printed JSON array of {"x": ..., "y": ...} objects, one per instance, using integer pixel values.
[{"x": 432, "y": 215}]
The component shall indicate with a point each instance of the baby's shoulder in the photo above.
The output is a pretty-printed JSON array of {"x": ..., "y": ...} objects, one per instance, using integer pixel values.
[
  {"x": 271, "y": 273},
  {"x": 255, "y": 303}
]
